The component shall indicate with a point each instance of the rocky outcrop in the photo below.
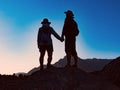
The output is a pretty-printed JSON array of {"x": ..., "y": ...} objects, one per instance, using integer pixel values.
[
  {"x": 88, "y": 65},
  {"x": 112, "y": 71}
]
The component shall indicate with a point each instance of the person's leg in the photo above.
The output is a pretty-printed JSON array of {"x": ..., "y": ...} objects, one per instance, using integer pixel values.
[
  {"x": 74, "y": 52},
  {"x": 49, "y": 58},
  {"x": 75, "y": 59},
  {"x": 41, "y": 59},
  {"x": 50, "y": 53},
  {"x": 68, "y": 54},
  {"x": 67, "y": 50}
]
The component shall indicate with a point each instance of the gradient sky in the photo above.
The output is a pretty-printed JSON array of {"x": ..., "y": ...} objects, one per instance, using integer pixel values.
[{"x": 98, "y": 22}]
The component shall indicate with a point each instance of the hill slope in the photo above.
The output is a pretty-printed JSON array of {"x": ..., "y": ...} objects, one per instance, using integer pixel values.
[{"x": 88, "y": 65}]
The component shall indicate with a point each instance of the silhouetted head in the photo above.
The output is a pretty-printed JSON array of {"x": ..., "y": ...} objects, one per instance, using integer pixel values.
[
  {"x": 45, "y": 21},
  {"x": 69, "y": 13}
]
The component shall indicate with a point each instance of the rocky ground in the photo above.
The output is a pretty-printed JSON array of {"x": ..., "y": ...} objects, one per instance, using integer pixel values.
[{"x": 56, "y": 79}]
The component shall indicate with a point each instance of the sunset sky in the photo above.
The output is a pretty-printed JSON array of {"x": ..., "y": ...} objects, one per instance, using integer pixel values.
[{"x": 98, "y": 22}]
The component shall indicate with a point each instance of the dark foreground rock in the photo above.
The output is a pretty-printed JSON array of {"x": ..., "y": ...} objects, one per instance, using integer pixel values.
[
  {"x": 112, "y": 71},
  {"x": 56, "y": 79}
]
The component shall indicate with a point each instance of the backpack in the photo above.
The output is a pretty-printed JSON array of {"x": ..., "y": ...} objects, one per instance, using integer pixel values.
[
  {"x": 75, "y": 29},
  {"x": 76, "y": 32},
  {"x": 44, "y": 36},
  {"x": 71, "y": 28}
]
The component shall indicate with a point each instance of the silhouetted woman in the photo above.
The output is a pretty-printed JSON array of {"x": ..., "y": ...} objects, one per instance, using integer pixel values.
[{"x": 44, "y": 42}]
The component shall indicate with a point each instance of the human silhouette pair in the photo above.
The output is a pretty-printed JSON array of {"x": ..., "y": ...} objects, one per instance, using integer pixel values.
[{"x": 69, "y": 33}]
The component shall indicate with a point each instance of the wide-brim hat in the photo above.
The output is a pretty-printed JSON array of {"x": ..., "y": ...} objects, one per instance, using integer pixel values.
[
  {"x": 69, "y": 13},
  {"x": 45, "y": 21}
]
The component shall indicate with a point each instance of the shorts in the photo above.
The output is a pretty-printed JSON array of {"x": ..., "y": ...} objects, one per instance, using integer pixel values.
[{"x": 48, "y": 48}]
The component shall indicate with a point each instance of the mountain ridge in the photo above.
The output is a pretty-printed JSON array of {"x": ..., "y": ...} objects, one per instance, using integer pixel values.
[{"x": 88, "y": 65}]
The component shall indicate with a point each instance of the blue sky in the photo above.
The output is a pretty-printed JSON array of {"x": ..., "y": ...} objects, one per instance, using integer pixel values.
[{"x": 98, "y": 22}]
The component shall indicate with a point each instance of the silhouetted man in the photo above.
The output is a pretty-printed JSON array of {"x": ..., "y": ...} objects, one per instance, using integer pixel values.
[
  {"x": 70, "y": 31},
  {"x": 44, "y": 42}
]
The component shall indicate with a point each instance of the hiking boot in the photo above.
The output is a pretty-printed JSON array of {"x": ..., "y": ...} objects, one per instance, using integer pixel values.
[
  {"x": 67, "y": 66},
  {"x": 49, "y": 66},
  {"x": 75, "y": 66},
  {"x": 41, "y": 68}
]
